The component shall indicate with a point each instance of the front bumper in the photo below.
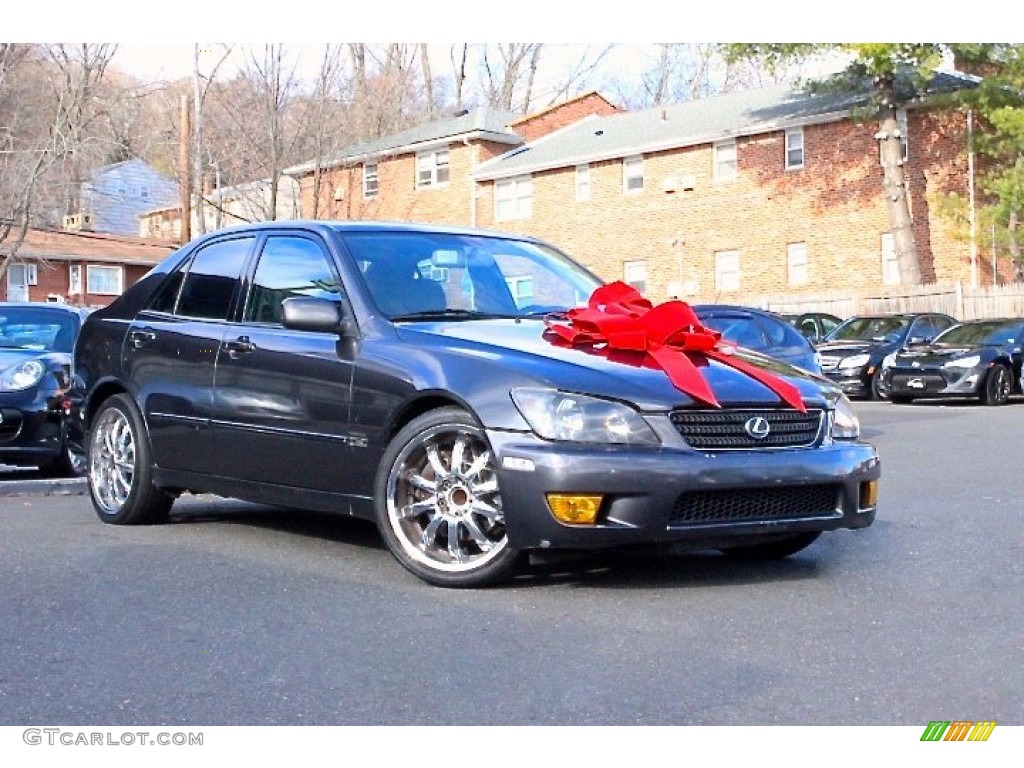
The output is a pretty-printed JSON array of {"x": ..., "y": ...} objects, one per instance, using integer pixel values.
[
  {"x": 31, "y": 428},
  {"x": 934, "y": 382},
  {"x": 676, "y": 495},
  {"x": 853, "y": 383}
]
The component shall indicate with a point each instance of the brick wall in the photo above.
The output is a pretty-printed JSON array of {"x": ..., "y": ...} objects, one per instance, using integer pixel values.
[
  {"x": 834, "y": 204},
  {"x": 53, "y": 280},
  {"x": 563, "y": 114}
]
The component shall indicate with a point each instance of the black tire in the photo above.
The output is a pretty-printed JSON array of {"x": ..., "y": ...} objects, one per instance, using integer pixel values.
[
  {"x": 438, "y": 476},
  {"x": 774, "y": 550},
  {"x": 875, "y": 386},
  {"x": 998, "y": 385},
  {"x": 121, "y": 467}
]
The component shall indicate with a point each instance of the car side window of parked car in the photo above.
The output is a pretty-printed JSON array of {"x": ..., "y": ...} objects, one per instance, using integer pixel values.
[
  {"x": 212, "y": 279},
  {"x": 289, "y": 266}
]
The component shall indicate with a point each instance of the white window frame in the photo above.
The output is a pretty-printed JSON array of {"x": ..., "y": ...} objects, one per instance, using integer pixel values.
[
  {"x": 31, "y": 274},
  {"x": 96, "y": 269},
  {"x": 726, "y": 160},
  {"x": 431, "y": 167},
  {"x": 582, "y": 182},
  {"x": 75, "y": 279},
  {"x": 794, "y": 143},
  {"x": 796, "y": 263},
  {"x": 634, "y": 273},
  {"x": 513, "y": 198},
  {"x": 371, "y": 180},
  {"x": 633, "y": 175},
  {"x": 890, "y": 261},
  {"x": 727, "y": 271},
  {"x": 521, "y": 288}
]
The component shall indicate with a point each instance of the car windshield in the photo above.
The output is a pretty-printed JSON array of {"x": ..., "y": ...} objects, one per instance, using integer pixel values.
[
  {"x": 37, "y": 329},
  {"x": 988, "y": 332},
  {"x": 869, "y": 329},
  {"x": 414, "y": 275}
]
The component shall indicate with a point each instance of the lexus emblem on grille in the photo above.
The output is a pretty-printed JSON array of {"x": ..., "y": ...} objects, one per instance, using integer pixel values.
[{"x": 757, "y": 427}]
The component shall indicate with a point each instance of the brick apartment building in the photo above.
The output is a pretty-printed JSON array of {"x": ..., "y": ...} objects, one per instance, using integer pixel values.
[
  {"x": 763, "y": 191},
  {"x": 88, "y": 269}
]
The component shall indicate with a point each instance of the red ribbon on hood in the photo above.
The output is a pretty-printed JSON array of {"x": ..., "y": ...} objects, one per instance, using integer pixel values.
[{"x": 620, "y": 319}]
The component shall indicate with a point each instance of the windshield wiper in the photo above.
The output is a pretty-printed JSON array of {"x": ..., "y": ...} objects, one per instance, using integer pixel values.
[{"x": 449, "y": 314}]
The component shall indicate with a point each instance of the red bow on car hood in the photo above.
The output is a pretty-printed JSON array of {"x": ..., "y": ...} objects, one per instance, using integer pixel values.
[{"x": 618, "y": 319}]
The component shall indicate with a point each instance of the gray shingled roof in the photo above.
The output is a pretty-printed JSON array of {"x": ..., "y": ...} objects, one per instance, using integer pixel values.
[
  {"x": 482, "y": 122},
  {"x": 679, "y": 125}
]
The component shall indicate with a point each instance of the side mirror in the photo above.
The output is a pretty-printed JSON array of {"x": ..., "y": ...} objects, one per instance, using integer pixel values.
[{"x": 306, "y": 313}]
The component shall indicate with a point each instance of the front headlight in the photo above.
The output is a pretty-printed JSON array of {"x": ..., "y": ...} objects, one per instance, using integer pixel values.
[
  {"x": 845, "y": 424},
  {"x": 963, "y": 362},
  {"x": 855, "y": 361},
  {"x": 557, "y": 415},
  {"x": 21, "y": 376}
]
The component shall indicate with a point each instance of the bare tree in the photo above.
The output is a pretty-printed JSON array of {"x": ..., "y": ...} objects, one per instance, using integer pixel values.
[
  {"x": 509, "y": 72},
  {"x": 459, "y": 55}
]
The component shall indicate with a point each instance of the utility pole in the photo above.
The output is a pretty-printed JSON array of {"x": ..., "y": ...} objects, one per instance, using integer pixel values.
[
  {"x": 199, "y": 173},
  {"x": 185, "y": 170}
]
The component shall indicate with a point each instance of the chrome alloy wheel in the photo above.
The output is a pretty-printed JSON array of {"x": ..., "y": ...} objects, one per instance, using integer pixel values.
[
  {"x": 443, "y": 501},
  {"x": 112, "y": 461}
]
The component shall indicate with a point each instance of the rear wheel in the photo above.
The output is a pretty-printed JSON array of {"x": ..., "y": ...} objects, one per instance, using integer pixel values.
[
  {"x": 774, "y": 550},
  {"x": 998, "y": 384},
  {"x": 438, "y": 502},
  {"x": 121, "y": 467}
]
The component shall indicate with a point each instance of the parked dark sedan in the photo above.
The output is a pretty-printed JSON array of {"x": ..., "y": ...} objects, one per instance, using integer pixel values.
[
  {"x": 852, "y": 354},
  {"x": 479, "y": 396},
  {"x": 36, "y": 344},
  {"x": 814, "y": 325},
  {"x": 761, "y": 331},
  {"x": 980, "y": 358}
]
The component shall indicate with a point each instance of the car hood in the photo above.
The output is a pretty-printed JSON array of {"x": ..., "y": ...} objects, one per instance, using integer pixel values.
[
  {"x": 937, "y": 354},
  {"x": 519, "y": 353},
  {"x": 9, "y": 357},
  {"x": 849, "y": 348}
]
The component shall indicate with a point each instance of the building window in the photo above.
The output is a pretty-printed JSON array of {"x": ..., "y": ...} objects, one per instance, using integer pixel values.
[
  {"x": 369, "y": 179},
  {"x": 431, "y": 168},
  {"x": 144, "y": 192},
  {"x": 725, "y": 161},
  {"x": 794, "y": 148},
  {"x": 890, "y": 261},
  {"x": 727, "y": 271},
  {"x": 75, "y": 279},
  {"x": 513, "y": 198},
  {"x": 633, "y": 174},
  {"x": 32, "y": 274},
  {"x": 582, "y": 183},
  {"x": 635, "y": 274},
  {"x": 521, "y": 289},
  {"x": 105, "y": 281},
  {"x": 796, "y": 259}
]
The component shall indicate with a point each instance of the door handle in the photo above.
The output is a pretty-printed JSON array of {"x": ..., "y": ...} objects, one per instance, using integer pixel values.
[
  {"x": 140, "y": 339},
  {"x": 240, "y": 346}
]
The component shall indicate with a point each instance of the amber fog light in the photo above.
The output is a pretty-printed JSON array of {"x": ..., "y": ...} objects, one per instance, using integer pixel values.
[
  {"x": 869, "y": 494},
  {"x": 574, "y": 509}
]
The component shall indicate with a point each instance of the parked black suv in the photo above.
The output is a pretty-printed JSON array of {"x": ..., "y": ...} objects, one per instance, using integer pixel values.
[{"x": 852, "y": 354}]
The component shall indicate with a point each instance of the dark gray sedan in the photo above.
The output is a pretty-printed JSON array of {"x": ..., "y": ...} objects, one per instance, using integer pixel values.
[{"x": 481, "y": 397}]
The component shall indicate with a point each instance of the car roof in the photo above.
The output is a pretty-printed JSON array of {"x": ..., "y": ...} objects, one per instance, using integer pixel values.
[
  {"x": 70, "y": 309},
  {"x": 370, "y": 226},
  {"x": 733, "y": 309}
]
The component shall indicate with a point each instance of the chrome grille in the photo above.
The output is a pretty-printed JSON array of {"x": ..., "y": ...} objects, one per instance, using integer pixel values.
[
  {"x": 741, "y": 505},
  {"x": 830, "y": 362},
  {"x": 716, "y": 430}
]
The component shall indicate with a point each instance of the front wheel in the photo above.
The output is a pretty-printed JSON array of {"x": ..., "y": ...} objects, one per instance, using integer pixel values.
[
  {"x": 121, "y": 469},
  {"x": 438, "y": 503},
  {"x": 774, "y": 550},
  {"x": 998, "y": 384}
]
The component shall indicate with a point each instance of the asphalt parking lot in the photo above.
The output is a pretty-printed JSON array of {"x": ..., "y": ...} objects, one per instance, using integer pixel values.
[{"x": 241, "y": 614}]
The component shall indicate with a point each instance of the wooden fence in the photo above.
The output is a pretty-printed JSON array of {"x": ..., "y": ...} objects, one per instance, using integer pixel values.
[{"x": 953, "y": 299}]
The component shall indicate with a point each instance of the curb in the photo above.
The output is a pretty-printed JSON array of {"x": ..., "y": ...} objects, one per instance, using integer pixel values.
[{"x": 74, "y": 486}]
